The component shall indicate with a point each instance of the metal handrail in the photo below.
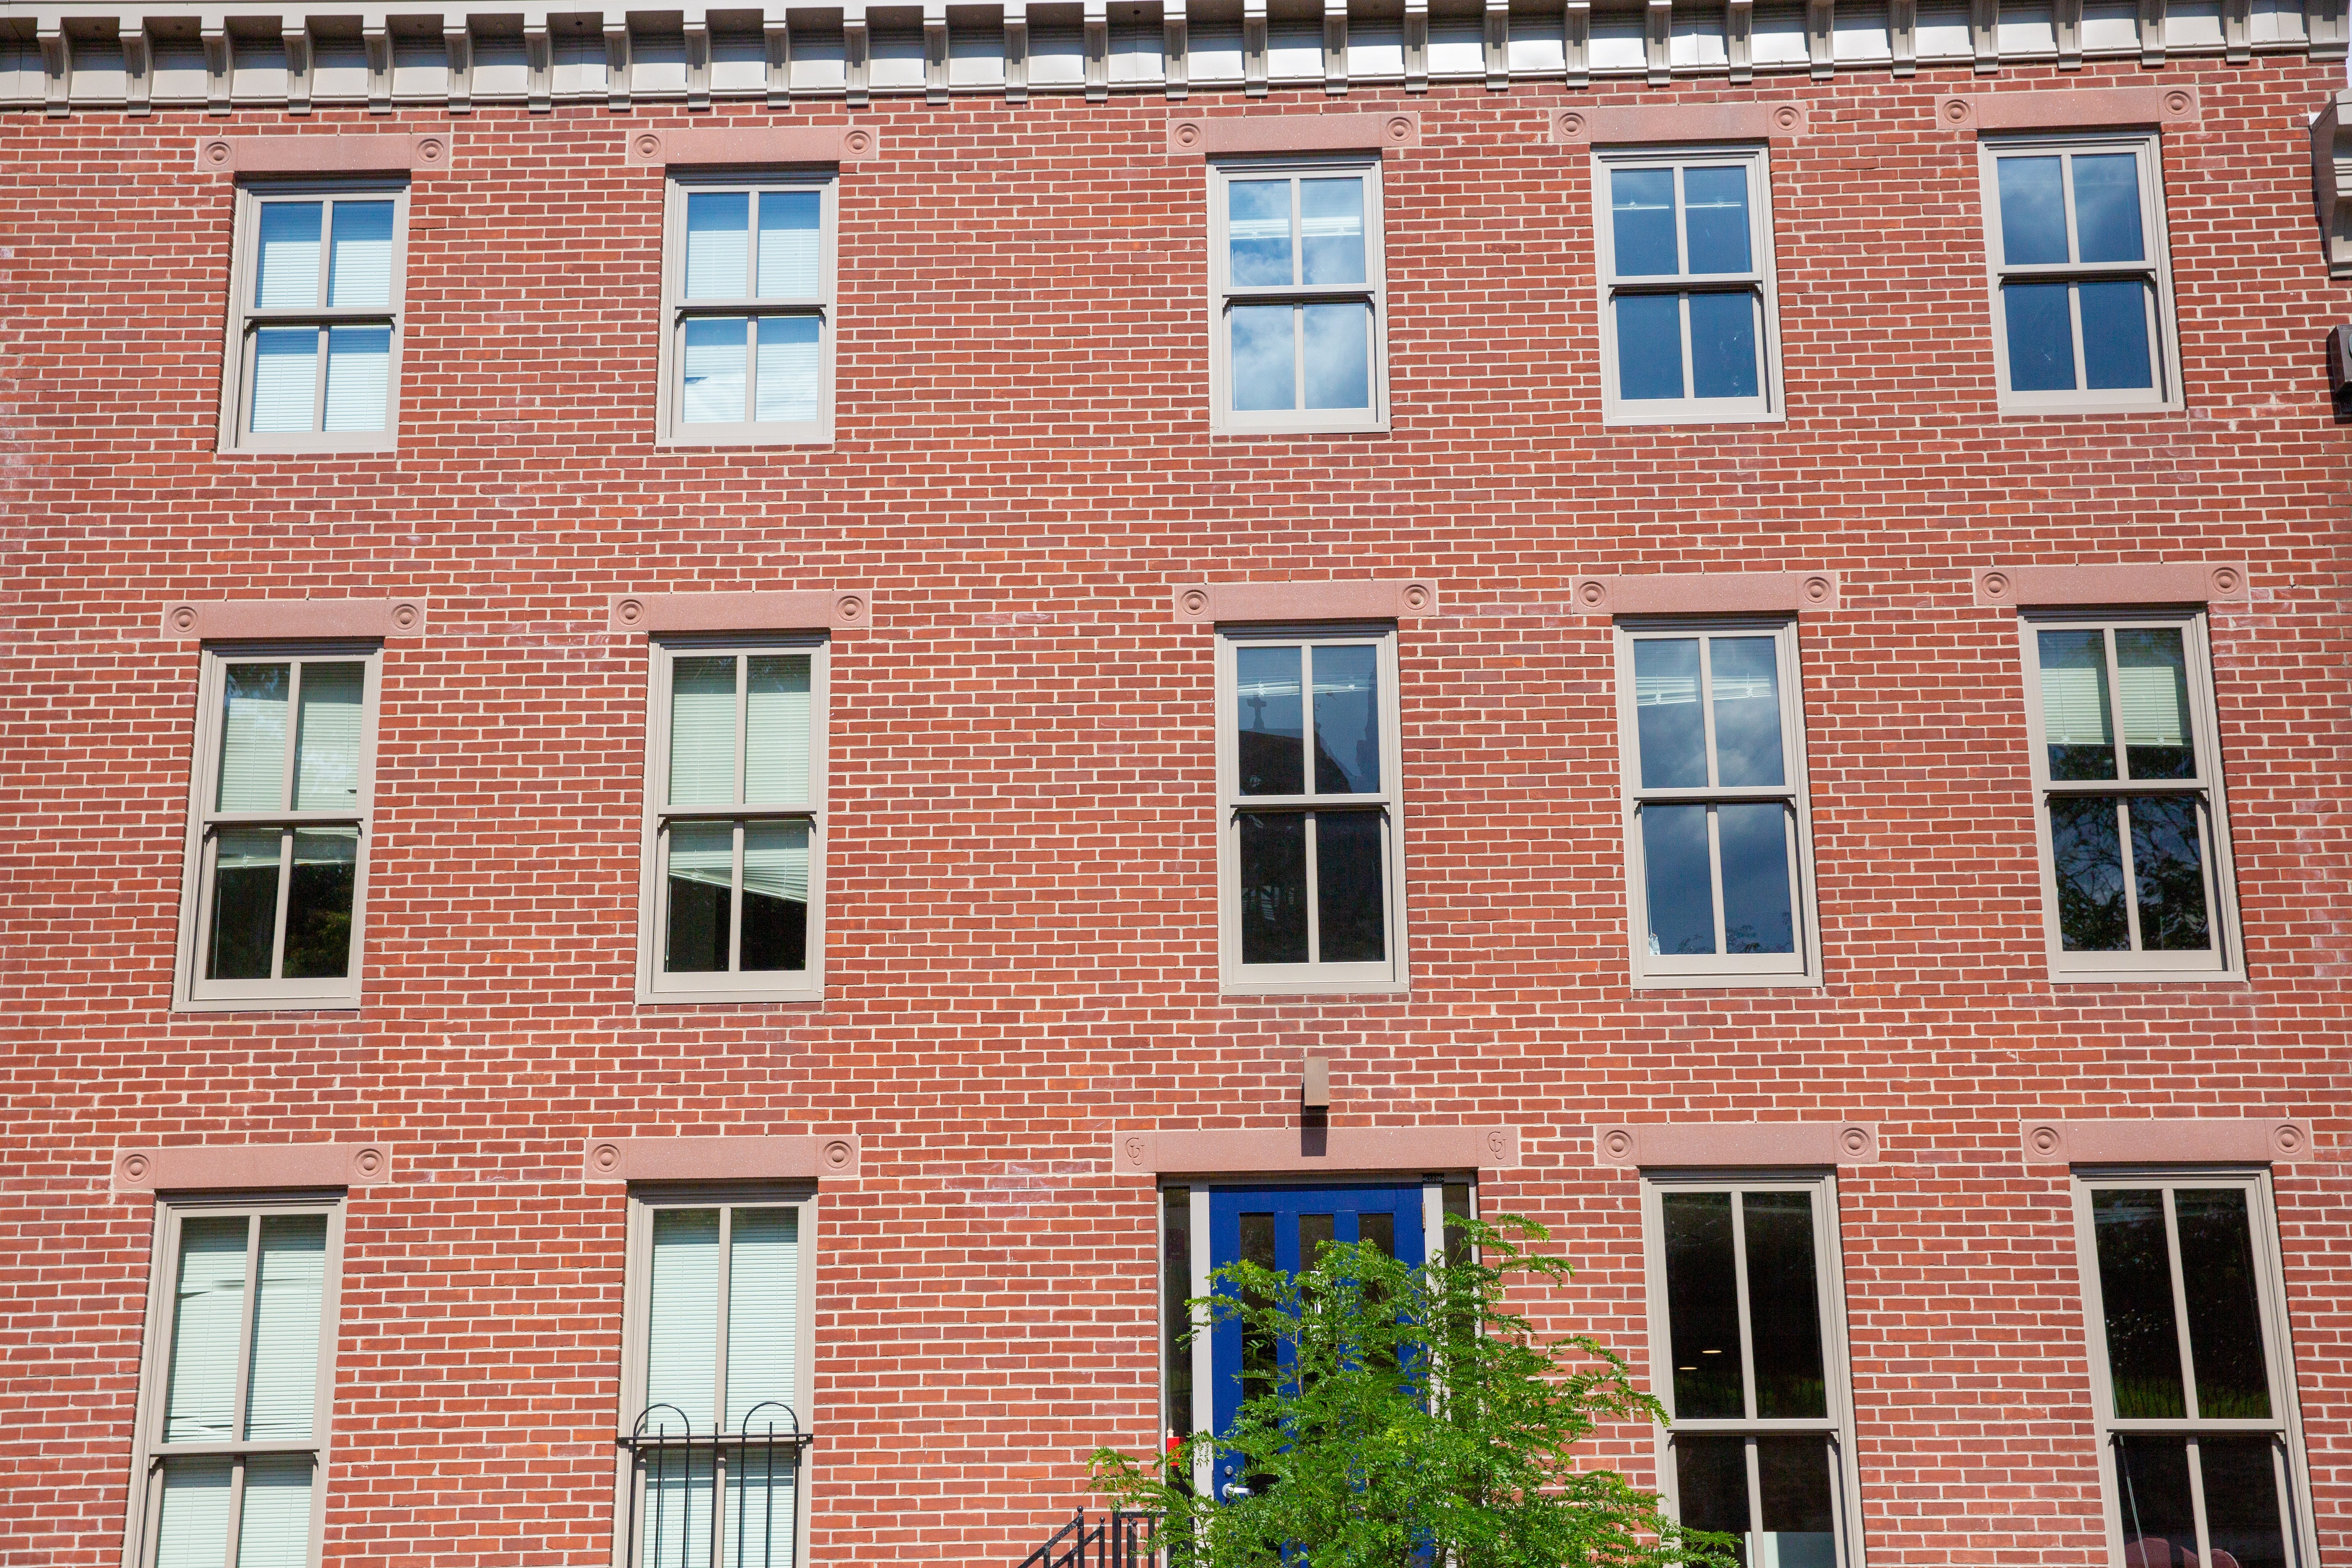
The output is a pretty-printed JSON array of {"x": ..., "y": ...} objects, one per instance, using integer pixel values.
[{"x": 1119, "y": 1540}]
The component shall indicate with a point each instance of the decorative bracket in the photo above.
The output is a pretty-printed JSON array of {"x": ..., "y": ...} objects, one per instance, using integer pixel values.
[
  {"x": 538, "y": 63},
  {"x": 56, "y": 66},
  {"x": 458, "y": 38},
  {"x": 138, "y": 67},
  {"x": 776, "y": 32},
  {"x": 2331, "y": 181},
  {"x": 375, "y": 41},
  {"x": 697, "y": 30},
  {"x": 935, "y": 51},
  {"x": 857, "y": 54},
  {"x": 1984, "y": 33},
  {"x": 220, "y": 64},
  {"x": 1499, "y": 44},
  {"x": 1253, "y": 65},
  {"x": 1903, "y": 35},
  {"x": 1175, "y": 50},
  {"x": 1017, "y": 51},
  {"x": 1416, "y": 45},
  {"x": 1096, "y": 22},
  {"x": 1821, "y": 38},
  {"x": 299, "y": 54},
  {"x": 2066, "y": 21},
  {"x": 616, "y": 63},
  {"x": 1658, "y": 41},
  {"x": 1335, "y": 49}
]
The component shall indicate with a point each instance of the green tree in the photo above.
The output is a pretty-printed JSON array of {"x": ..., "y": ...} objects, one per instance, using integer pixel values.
[{"x": 1395, "y": 1415}]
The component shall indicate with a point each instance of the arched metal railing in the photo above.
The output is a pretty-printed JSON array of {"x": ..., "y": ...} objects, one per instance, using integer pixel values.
[{"x": 664, "y": 1449}]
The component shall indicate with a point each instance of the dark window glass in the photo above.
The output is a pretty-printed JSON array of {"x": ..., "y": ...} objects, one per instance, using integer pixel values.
[
  {"x": 1349, "y": 905},
  {"x": 1273, "y": 887},
  {"x": 1347, "y": 720},
  {"x": 2088, "y": 856},
  {"x": 1711, "y": 1486},
  {"x": 244, "y": 903},
  {"x": 2136, "y": 1290},
  {"x": 1259, "y": 1352},
  {"x": 1677, "y": 880},
  {"x": 319, "y": 903},
  {"x": 2168, "y": 875},
  {"x": 2114, "y": 335},
  {"x": 1670, "y": 728},
  {"x": 2225, "y": 1317},
  {"x": 2106, "y": 209},
  {"x": 1793, "y": 1476},
  {"x": 1272, "y": 755},
  {"x": 2159, "y": 1524},
  {"x": 2242, "y": 1515},
  {"x": 2032, "y": 211},
  {"x": 1649, "y": 345},
  {"x": 1758, "y": 916},
  {"x": 1176, "y": 1291},
  {"x": 1784, "y": 1312},
  {"x": 1703, "y": 1305}
]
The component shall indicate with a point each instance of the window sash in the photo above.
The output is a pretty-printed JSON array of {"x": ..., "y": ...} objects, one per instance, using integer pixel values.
[
  {"x": 1757, "y": 282},
  {"x": 247, "y": 317},
  {"x": 1225, "y": 295},
  {"x": 678, "y": 311}
]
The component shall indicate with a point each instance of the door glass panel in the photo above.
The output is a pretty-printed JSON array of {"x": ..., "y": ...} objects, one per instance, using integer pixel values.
[
  {"x": 1703, "y": 1307},
  {"x": 1315, "y": 1232},
  {"x": 1378, "y": 1230},
  {"x": 2225, "y": 1316},
  {"x": 1794, "y": 1475},
  {"x": 1784, "y": 1312},
  {"x": 1176, "y": 1291},
  {"x": 2135, "y": 1292},
  {"x": 1258, "y": 1349}
]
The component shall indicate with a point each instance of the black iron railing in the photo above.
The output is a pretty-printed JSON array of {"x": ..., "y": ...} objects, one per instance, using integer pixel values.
[
  {"x": 1115, "y": 1540},
  {"x": 666, "y": 1516}
]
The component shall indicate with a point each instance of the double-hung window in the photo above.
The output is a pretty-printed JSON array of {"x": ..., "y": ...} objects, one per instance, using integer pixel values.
[
  {"x": 715, "y": 1420},
  {"x": 2134, "y": 829},
  {"x": 2191, "y": 1377},
  {"x": 1689, "y": 322},
  {"x": 1298, "y": 297},
  {"x": 313, "y": 353},
  {"x": 734, "y": 828},
  {"x": 1312, "y": 860},
  {"x": 1717, "y": 832},
  {"x": 234, "y": 1398},
  {"x": 278, "y": 827},
  {"x": 748, "y": 310},
  {"x": 2081, "y": 284},
  {"x": 1747, "y": 1310}
]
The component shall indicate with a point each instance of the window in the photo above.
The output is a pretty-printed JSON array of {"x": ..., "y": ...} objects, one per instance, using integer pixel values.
[
  {"x": 314, "y": 318},
  {"x": 2082, "y": 287},
  {"x": 231, "y": 1459},
  {"x": 1313, "y": 865},
  {"x": 2134, "y": 836},
  {"x": 715, "y": 1386},
  {"x": 1747, "y": 1308},
  {"x": 276, "y": 862},
  {"x": 747, "y": 310},
  {"x": 2199, "y": 1445},
  {"x": 734, "y": 830},
  {"x": 1298, "y": 297},
  {"x": 1717, "y": 832},
  {"x": 1689, "y": 325}
]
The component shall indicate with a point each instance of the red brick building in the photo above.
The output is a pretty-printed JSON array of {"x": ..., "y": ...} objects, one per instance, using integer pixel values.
[{"x": 719, "y": 717}]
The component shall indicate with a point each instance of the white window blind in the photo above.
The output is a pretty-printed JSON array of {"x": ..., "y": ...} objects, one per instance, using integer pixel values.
[
  {"x": 703, "y": 852},
  {"x": 285, "y": 379},
  {"x": 762, "y": 1291},
  {"x": 192, "y": 1531},
  {"x": 718, "y": 245},
  {"x": 274, "y": 1525},
  {"x": 2152, "y": 677},
  {"x": 328, "y": 739},
  {"x": 682, "y": 1328},
  {"x": 776, "y": 860},
  {"x": 790, "y": 363},
  {"x": 359, "y": 272},
  {"x": 791, "y": 261},
  {"x": 702, "y": 732},
  {"x": 288, "y": 267},
  {"x": 2075, "y": 689},
  {"x": 290, "y": 1282},
  {"x": 206, "y": 1320},
  {"x": 776, "y": 751},
  {"x": 252, "y": 738},
  {"x": 358, "y": 377}
]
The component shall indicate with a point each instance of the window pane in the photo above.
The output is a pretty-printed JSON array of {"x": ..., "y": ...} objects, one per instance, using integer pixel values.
[
  {"x": 207, "y": 1319},
  {"x": 712, "y": 379},
  {"x": 781, "y": 719},
  {"x": 359, "y": 268},
  {"x": 1799, "y": 1529},
  {"x": 1273, "y": 887},
  {"x": 718, "y": 245},
  {"x": 253, "y": 736},
  {"x": 285, "y": 379},
  {"x": 327, "y": 743},
  {"x": 2168, "y": 875},
  {"x": 1711, "y": 1485},
  {"x": 1349, "y": 908},
  {"x": 358, "y": 377},
  {"x": 2152, "y": 670},
  {"x": 682, "y": 1323},
  {"x": 2114, "y": 335},
  {"x": 677, "y": 1506},
  {"x": 1702, "y": 1308},
  {"x": 2135, "y": 1292},
  {"x": 2159, "y": 1525},
  {"x": 1315, "y": 1231},
  {"x": 2087, "y": 858},
  {"x": 792, "y": 368},
  {"x": 775, "y": 896},
  {"x": 1175, "y": 1318},
  {"x": 1331, "y": 226},
  {"x": 702, "y": 732},
  {"x": 1672, "y": 731},
  {"x": 2041, "y": 337},
  {"x": 1723, "y": 345},
  {"x": 287, "y": 270},
  {"x": 244, "y": 903},
  {"x": 701, "y": 897},
  {"x": 760, "y": 1505},
  {"x": 292, "y": 1284},
  {"x": 2106, "y": 210},
  {"x": 1338, "y": 357},
  {"x": 763, "y": 1283},
  {"x": 1784, "y": 1311},
  {"x": 1347, "y": 720},
  {"x": 1715, "y": 217},
  {"x": 2074, "y": 713},
  {"x": 274, "y": 1527},
  {"x": 1679, "y": 883},
  {"x": 1271, "y": 747},
  {"x": 192, "y": 1528},
  {"x": 1744, "y": 677},
  {"x": 792, "y": 257},
  {"x": 1755, "y": 845},
  {"x": 2032, "y": 211},
  {"x": 1257, "y": 230},
  {"x": 1649, "y": 345},
  {"x": 2225, "y": 1318},
  {"x": 2242, "y": 1516},
  {"x": 1642, "y": 222},
  {"x": 319, "y": 900},
  {"x": 1264, "y": 372}
]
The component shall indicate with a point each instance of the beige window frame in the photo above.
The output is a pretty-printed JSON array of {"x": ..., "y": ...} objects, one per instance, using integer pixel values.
[
  {"x": 2222, "y": 957},
  {"x": 194, "y": 990},
  {"x": 1225, "y": 295},
  {"x": 678, "y": 311},
  {"x": 733, "y": 985},
  {"x": 1760, "y": 282},
  {"x": 152, "y": 1451},
  {"x": 2163, "y": 393},
  {"x": 1314, "y": 976},
  {"x": 635, "y": 1463},
  {"x": 247, "y": 318},
  {"x": 1800, "y": 966},
  {"x": 2283, "y": 1424}
]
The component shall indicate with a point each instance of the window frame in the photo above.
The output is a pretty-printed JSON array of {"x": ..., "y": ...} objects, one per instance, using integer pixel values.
[
  {"x": 147, "y": 1447},
  {"x": 675, "y": 310},
  {"x": 2165, "y": 397},
  {"x": 1837, "y": 1370},
  {"x": 1224, "y": 418},
  {"x": 1719, "y": 969},
  {"x": 646, "y": 1200},
  {"x": 2298, "y": 1524},
  {"x": 245, "y": 318},
  {"x": 1390, "y": 976},
  {"x": 1769, "y": 405},
  {"x": 654, "y": 986},
  {"x": 192, "y": 991},
  {"x": 2225, "y": 959}
]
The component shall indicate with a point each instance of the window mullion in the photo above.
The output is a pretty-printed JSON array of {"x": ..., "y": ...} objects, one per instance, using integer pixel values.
[
  {"x": 735, "y": 897},
  {"x": 247, "y": 1322},
  {"x": 326, "y": 261},
  {"x": 324, "y": 341},
  {"x": 236, "y": 1528},
  {"x": 719, "y": 1393},
  {"x": 1739, "y": 1277},
  {"x": 1314, "y": 885},
  {"x": 2199, "y": 1522},
  {"x": 284, "y": 897},
  {"x": 2074, "y": 325},
  {"x": 2179, "y": 1301}
]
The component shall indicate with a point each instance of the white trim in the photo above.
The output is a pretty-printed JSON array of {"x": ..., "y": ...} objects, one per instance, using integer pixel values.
[{"x": 824, "y": 308}]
